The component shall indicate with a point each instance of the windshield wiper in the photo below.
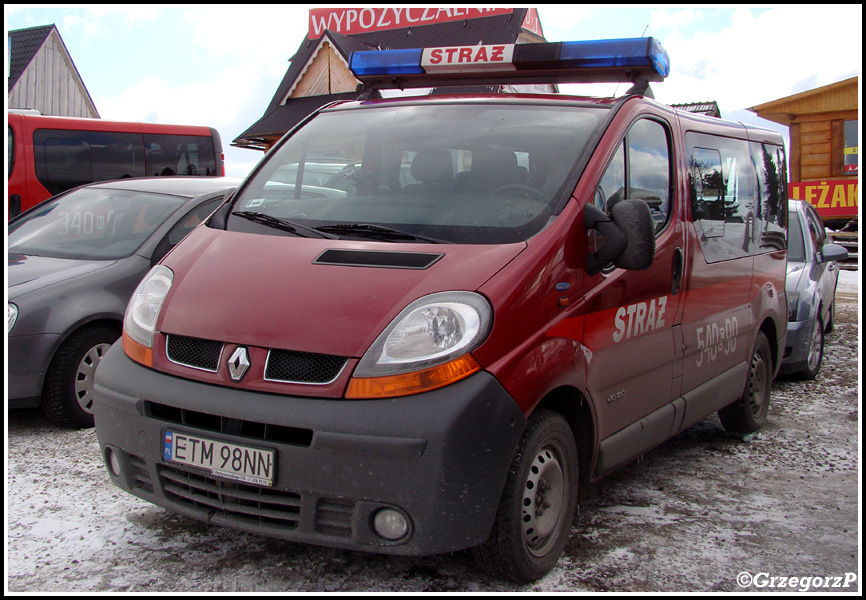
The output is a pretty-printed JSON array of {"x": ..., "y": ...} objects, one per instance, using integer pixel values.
[
  {"x": 377, "y": 232},
  {"x": 282, "y": 224}
]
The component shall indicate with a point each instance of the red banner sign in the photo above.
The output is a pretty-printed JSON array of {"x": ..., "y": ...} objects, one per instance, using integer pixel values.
[
  {"x": 832, "y": 199},
  {"x": 348, "y": 21}
]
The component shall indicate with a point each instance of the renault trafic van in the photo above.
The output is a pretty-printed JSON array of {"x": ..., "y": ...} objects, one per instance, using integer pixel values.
[{"x": 506, "y": 298}]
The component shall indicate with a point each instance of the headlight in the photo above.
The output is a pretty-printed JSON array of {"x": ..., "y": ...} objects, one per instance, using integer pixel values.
[
  {"x": 425, "y": 347},
  {"x": 139, "y": 322},
  {"x": 793, "y": 303},
  {"x": 11, "y": 316}
]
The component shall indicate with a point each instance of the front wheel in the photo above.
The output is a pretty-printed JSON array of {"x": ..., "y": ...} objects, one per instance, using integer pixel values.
[
  {"x": 749, "y": 413},
  {"x": 67, "y": 397},
  {"x": 534, "y": 518}
]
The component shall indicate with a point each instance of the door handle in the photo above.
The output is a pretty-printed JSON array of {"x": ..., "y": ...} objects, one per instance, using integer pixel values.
[{"x": 677, "y": 274}]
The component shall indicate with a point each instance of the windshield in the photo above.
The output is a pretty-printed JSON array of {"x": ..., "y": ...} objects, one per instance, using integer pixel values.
[
  {"x": 471, "y": 173},
  {"x": 91, "y": 224}
]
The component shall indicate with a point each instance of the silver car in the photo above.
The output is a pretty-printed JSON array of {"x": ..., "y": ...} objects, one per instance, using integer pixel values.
[
  {"x": 811, "y": 289},
  {"x": 73, "y": 262}
]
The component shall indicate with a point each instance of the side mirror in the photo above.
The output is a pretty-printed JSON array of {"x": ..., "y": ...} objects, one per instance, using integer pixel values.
[
  {"x": 629, "y": 232},
  {"x": 832, "y": 252}
]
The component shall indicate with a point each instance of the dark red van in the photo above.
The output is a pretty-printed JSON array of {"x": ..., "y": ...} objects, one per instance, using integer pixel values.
[
  {"x": 50, "y": 155},
  {"x": 491, "y": 302}
]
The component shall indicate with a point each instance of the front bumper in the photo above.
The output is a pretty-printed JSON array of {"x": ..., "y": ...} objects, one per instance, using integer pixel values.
[
  {"x": 439, "y": 458},
  {"x": 797, "y": 343},
  {"x": 28, "y": 359}
]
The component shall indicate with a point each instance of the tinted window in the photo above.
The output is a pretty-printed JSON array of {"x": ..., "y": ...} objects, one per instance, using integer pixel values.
[
  {"x": 67, "y": 159},
  {"x": 91, "y": 224},
  {"x": 648, "y": 168},
  {"x": 724, "y": 196},
  {"x": 179, "y": 155},
  {"x": 769, "y": 161},
  {"x": 796, "y": 244},
  {"x": 639, "y": 170},
  {"x": 469, "y": 173}
]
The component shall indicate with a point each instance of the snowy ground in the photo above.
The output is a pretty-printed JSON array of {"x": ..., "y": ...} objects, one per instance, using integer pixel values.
[{"x": 706, "y": 511}]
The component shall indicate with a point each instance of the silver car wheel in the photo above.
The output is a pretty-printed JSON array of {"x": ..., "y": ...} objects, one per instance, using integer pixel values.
[
  {"x": 816, "y": 346},
  {"x": 84, "y": 376}
]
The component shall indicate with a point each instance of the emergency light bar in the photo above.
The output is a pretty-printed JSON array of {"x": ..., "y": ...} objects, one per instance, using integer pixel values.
[{"x": 619, "y": 60}]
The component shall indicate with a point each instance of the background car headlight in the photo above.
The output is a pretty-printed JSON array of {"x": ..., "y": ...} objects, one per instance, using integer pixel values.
[
  {"x": 793, "y": 304},
  {"x": 139, "y": 322},
  {"x": 11, "y": 316},
  {"x": 426, "y": 346}
]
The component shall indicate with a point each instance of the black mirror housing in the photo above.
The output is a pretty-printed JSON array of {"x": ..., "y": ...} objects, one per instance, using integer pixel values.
[{"x": 630, "y": 235}]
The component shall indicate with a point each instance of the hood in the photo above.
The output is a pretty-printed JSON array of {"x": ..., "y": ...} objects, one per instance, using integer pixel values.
[
  {"x": 283, "y": 292},
  {"x": 27, "y": 273}
]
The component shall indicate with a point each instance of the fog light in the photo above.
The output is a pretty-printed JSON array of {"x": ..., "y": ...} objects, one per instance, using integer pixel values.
[
  {"x": 112, "y": 461},
  {"x": 390, "y": 524}
]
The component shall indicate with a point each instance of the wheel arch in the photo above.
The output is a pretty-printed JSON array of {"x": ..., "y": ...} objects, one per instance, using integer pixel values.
[{"x": 574, "y": 407}]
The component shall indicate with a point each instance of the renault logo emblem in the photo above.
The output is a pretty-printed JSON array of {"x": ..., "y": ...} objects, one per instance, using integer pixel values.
[{"x": 238, "y": 363}]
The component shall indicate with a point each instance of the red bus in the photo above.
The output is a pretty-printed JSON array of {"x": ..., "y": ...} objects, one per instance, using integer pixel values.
[{"x": 49, "y": 155}]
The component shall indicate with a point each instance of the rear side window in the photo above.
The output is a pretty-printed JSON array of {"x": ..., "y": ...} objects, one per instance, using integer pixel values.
[
  {"x": 724, "y": 196},
  {"x": 769, "y": 162},
  {"x": 67, "y": 159},
  {"x": 179, "y": 155}
]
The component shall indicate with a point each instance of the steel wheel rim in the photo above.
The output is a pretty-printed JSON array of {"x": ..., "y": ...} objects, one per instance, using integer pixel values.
[
  {"x": 544, "y": 501},
  {"x": 84, "y": 376},
  {"x": 757, "y": 384},
  {"x": 814, "y": 358}
]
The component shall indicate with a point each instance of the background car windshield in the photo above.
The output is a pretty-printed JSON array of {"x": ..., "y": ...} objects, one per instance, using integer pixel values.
[
  {"x": 468, "y": 173},
  {"x": 91, "y": 224},
  {"x": 796, "y": 244}
]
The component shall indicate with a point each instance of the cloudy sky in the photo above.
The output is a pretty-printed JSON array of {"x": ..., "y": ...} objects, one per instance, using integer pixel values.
[{"x": 219, "y": 65}]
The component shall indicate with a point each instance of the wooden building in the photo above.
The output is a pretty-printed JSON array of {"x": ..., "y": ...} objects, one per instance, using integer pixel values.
[
  {"x": 43, "y": 77},
  {"x": 824, "y": 152}
]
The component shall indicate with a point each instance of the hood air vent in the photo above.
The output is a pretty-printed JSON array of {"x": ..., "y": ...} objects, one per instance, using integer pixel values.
[{"x": 370, "y": 258}]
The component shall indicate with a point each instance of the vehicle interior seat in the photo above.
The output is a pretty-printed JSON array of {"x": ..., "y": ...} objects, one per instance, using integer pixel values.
[
  {"x": 491, "y": 169},
  {"x": 434, "y": 168}
]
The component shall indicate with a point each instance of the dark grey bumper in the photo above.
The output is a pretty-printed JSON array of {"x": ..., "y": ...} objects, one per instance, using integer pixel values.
[
  {"x": 797, "y": 344},
  {"x": 440, "y": 458},
  {"x": 28, "y": 359}
]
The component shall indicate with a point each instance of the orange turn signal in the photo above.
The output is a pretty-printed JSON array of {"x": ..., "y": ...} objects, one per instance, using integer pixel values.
[
  {"x": 137, "y": 352},
  {"x": 391, "y": 386}
]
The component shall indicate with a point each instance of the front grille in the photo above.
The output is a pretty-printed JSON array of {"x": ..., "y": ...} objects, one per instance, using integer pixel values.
[
  {"x": 237, "y": 501},
  {"x": 303, "y": 367},
  {"x": 280, "y": 434},
  {"x": 193, "y": 352}
]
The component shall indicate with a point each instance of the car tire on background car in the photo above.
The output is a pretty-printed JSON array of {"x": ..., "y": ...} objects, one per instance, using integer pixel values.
[
  {"x": 749, "y": 413},
  {"x": 67, "y": 396},
  {"x": 816, "y": 349},
  {"x": 534, "y": 518}
]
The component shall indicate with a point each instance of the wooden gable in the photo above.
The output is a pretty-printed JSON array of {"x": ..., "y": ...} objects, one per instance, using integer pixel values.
[
  {"x": 326, "y": 72},
  {"x": 50, "y": 83}
]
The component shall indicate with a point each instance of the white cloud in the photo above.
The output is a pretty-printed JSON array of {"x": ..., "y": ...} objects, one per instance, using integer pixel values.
[
  {"x": 664, "y": 19},
  {"x": 763, "y": 57}
]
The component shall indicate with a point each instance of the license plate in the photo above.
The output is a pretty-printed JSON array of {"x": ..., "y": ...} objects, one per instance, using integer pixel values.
[{"x": 230, "y": 461}]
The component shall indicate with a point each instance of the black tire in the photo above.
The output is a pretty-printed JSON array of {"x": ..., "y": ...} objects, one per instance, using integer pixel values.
[
  {"x": 816, "y": 350},
  {"x": 67, "y": 396},
  {"x": 534, "y": 518},
  {"x": 749, "y": 412}
]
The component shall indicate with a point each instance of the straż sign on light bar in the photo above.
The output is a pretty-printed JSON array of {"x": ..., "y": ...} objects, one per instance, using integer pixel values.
[{"x": 494, "y": 57}]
